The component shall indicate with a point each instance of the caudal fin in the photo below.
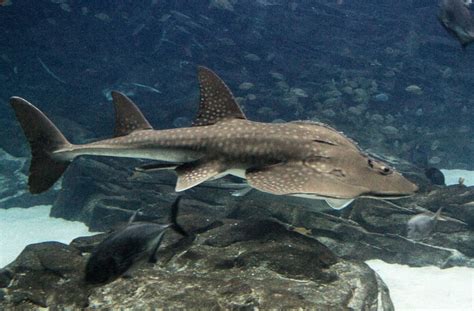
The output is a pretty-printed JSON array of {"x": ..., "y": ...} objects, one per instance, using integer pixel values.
[{"x": 44, "y": 138}]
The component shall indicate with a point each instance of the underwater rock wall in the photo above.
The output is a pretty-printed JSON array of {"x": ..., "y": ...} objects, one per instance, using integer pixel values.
[{"x": 253, "y": 263}]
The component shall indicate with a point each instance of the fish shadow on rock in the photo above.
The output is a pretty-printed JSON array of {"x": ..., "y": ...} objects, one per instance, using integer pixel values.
[{"x": 268, "y": 242}]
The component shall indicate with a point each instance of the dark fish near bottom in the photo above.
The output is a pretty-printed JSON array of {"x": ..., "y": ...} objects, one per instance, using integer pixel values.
[
  {"x": 137, "y": 242},
  {"x": 435, "y": 176}
]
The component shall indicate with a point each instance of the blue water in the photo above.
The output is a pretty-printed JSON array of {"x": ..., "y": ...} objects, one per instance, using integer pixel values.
[{"x": 65, "y": 55}]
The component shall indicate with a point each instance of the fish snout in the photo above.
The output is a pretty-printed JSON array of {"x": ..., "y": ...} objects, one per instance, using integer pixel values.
[{"x": 407, "y": 188}]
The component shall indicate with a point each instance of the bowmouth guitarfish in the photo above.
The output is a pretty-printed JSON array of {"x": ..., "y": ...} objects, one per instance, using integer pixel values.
[{"x": 298, "y": 158}]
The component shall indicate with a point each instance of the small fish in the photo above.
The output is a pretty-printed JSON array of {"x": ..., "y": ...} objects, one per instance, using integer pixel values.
[
  {"x": 123, "y": 249},
  {"x": 422, "y": 225},
  {"x": 435, "y": 176},
  {"x": 455, "y": 17}
]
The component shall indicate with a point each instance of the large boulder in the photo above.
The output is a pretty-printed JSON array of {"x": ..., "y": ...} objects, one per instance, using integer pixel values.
[{"x": 253, "y": 263}]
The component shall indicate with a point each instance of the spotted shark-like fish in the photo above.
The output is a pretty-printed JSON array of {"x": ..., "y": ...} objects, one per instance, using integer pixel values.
[{"x": 297, "y": 158}]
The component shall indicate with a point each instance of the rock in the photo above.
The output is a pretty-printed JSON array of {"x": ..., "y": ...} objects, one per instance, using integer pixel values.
[
  {"x": 251, "y": 97},
  {"x": 357, "y": 110},
  {"x": 283, "y": 85},
  {"x": 414, "y": 89},
  {"x": 45, "y": 275},
  {"x": 103, "y": 17},
  {"x": 246, "y": 86},
  {"x": 299, "y": 92},
  {"x": 377, "y": 118},
  {"x": 329, "y": 113},
  {"x": 360, "y": 96},
  {"x": 253, "y": 263},
  {"x": 252, "y": 57},
  {"x": 332, "y": 93},
  {"x": 277, "y": 75},
  {"x": 222, "y": 5},
  {"x": 434, "y": 160},
  {"x": 390, "y": 131},
  {"x": 381, "y": 97},
  {"x": 347, "y": 90},
  {"x": 332, "y": 101}
]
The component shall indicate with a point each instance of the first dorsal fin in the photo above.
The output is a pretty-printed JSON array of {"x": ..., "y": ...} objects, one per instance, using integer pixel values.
[
  {"x": 216, "y": 100},
  {"x": 128, "y": 117}
]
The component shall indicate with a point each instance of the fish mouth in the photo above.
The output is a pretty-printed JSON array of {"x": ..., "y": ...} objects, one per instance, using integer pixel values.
[
  {"x": 407, "y": 189},
  {"x": 388, "y": 195}
]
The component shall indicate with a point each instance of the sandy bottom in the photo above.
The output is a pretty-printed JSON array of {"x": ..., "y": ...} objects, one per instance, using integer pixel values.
[
  {"x": 427, "y": 288},
  {"x": 22, "y": 226},
  {"x": 451, "y": 177}
]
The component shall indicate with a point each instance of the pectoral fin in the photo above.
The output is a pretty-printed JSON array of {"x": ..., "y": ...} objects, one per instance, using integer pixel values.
[
  {"x": 194, "y": 173},
  {"x": 299, "y": 178},
  {"x": 338, "y": 203},
  {"x": 241, "y": 192}
]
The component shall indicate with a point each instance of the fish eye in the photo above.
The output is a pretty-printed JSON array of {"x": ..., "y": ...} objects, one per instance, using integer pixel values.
[{"x": 385, "y": 170}]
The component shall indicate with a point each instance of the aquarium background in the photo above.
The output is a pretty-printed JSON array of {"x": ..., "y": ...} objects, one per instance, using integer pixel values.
[{"x": 384, "y": 72}]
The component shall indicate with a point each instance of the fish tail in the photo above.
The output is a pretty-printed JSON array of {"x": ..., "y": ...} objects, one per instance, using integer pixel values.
[
  {"x": 173, "y": 218},
  {"x": 44, "y": 138}
]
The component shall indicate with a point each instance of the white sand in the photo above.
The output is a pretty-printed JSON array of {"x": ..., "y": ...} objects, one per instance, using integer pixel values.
[
  {"x": 451, "y": 177},
  {"x": 430, "y": 288},
  {"x": 427, "y": 288},
  {"x": 22, "y": 226}
]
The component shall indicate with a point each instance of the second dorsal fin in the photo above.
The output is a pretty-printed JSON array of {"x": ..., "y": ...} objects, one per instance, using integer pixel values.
[
  {"x": 216, "y": 100},
  {"x": 128, "y": 117}
]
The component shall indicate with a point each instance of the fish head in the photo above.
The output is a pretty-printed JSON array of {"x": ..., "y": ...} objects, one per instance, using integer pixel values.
[
  {"x": 353, "y": 174},
  {"x": 379, "y": 179}
]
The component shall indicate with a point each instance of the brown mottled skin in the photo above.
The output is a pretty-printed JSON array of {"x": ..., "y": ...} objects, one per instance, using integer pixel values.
[{"x": 295, "y": 158}]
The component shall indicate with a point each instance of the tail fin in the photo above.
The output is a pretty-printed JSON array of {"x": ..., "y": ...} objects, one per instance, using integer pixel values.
[
  {"x": 44, "y": 138},
  {"x": 174, "y": 214}
]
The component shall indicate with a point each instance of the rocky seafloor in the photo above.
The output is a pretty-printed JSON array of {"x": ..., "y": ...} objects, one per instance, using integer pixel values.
[{"x": 243, "y": 252}]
